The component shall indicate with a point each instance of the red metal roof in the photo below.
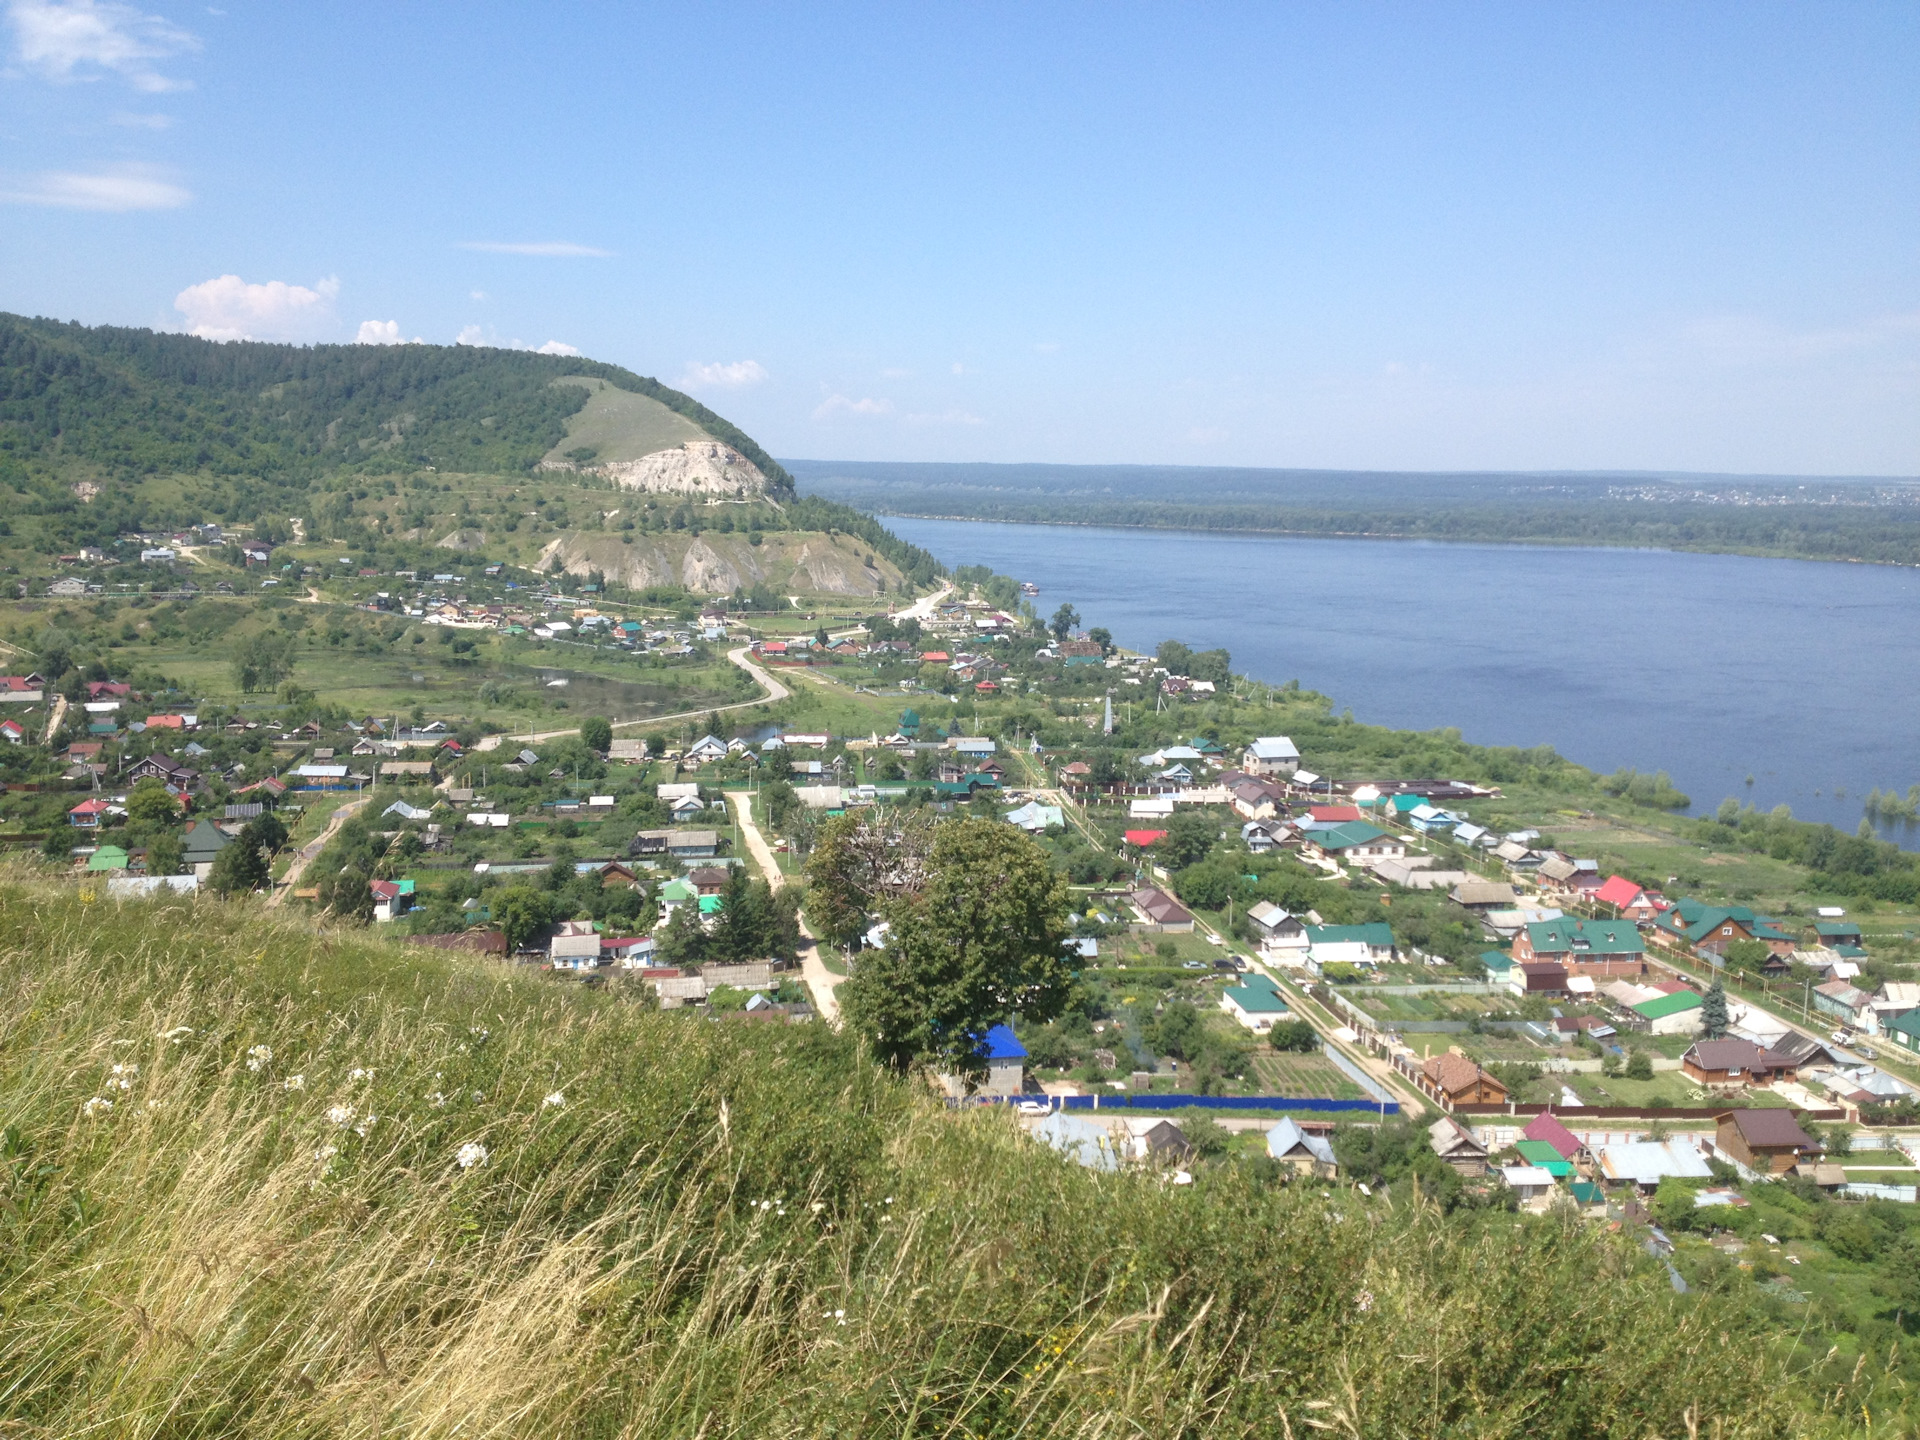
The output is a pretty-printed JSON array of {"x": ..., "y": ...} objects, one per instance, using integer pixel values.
[
  {"x": 1335, "y": 814},
  {"x": 1618, "y": 891},
  {"x": 1144, "y": 838}
]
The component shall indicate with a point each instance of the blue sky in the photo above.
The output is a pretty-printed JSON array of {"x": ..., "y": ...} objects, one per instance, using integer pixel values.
[{"x": 1398, "y": 236}]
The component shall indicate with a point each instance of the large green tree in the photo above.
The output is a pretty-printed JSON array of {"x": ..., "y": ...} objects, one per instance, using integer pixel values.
[
  {"x": 150, "y": 803},
  {"x": 238, "y": 870},
  {"x": 861, "y": 863},
  {"x": 980, "y": 941},
  {"x": 1713, "y": 1011}
]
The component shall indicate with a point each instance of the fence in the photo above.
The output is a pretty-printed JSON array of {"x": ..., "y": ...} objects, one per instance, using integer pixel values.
[
  {"x": 1147, "y": 1100},
  {"x": 1856, "y": 1190}
]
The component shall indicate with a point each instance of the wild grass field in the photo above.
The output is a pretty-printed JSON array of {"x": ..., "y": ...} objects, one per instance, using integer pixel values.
[{"x": 267, "y": 1179}]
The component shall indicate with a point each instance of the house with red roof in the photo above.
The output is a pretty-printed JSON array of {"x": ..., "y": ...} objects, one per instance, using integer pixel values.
[
  {"x": 1144, "y": 838},
  {"x": 88, "y": 814},
  {"x": 1628, "y": 900},
  {"x": 12, "y": 731},
  {"x": 934, "y": 657},
  {"x": 1333, "y": 814}
]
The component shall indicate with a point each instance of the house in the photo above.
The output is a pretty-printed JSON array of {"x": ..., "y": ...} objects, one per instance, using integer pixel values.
[
  {"x": 1600, "y": 949},
  {"x": 691, "y": 844},
  {"x": 1711, "y": 928},
  {"x": 752, "y": 975},
  {"x": 1499, "y": 965},
  {"x": 88, "y": 814},
  {"x": 1769, "y": 1141},
  {"x": 706, "y": 750},
  {"x": 1644, "y": 1164},
  {"x": 1006, "y": 1061},
  {"x": 709, "y": 879},
  {"x": 1837, "y": 933},
  {"x": 12, "y": 731},
  {"x": 171, "y": 772},
  {"x": 1035, "y": 818},
  {"x": 202, "y": 842},
  {"x": 1254, "y": 800},
  {"x": 1262, "y": 837},
  {"x": 1255, "y": 1003},
  {"x": 1736, "y": 1062},
  {"x": 1674, "y": 1014},
  {"x": 1328, "y": 815},
  {"x": 1539, "y": 977},
  {"x": 1531, "y": 1186},
  {"x": 1455, "y": 1080},
  {"x": 1542, "y": 1156},
  {"x": 1481, "y": 896},
  {"x": 403, "y": 810},
  {"x": 1374, "y": 939},
  {"x": 575, "y": 946},
  {"x": 1852, "y": 1005},
  {"x": 1304, "y": 1154},
  {"x": 22, "y": 689},
  {"x": 408, "y": 772},
  {"x": 391, "y": 899},
  {"x": 322, "y": 777},
  {"x": 1276, "y": 928},
  {"x": 1627, "y": 899},
  {"x": 1545, "y": 1128},
  {"x": 686, "y": 807},
  {"x": 1157, "y": 910},
  {"x": 1904, "y": 1031},
  {"x": 1271, "y": 755},
  {"x": 628, "y": 752},
  {"x": 1355, "y": 841},
  {"x": 1455, "y": 1144},
  {"x": 108, "y": 857}
]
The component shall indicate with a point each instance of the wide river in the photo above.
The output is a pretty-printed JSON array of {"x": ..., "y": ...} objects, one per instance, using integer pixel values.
[{"x": 1803, "y": 675}]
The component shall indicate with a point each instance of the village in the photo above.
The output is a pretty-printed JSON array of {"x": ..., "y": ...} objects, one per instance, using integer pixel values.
[{"x": 1275, "y": 951}]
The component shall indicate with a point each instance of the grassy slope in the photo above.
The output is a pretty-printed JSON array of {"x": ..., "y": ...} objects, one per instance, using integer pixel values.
[
  {"x": 672, "y": 1250},
  {"x": 621, "y": 425}
]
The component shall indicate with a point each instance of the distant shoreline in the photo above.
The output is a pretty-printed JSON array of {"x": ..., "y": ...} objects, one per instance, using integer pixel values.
[{"x": 1537, "y": 542}]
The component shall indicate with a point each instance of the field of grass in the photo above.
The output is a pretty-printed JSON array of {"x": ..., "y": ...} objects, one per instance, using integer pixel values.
[
  {"x": 267, "y": 1179},
  {"x": 621, "y": 425}
]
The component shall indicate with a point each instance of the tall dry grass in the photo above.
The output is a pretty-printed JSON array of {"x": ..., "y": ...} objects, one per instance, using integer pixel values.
[{"x": 682, "y": 1228}]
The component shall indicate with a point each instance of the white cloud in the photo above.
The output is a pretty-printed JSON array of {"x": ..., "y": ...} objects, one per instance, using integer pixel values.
[
  {"x": 483, "y": 335},
  {"x": 383, "y": 332},
  {"x": 551, "y": 249},
  {"x": 135, "y": 121},
  {"x": 120, "y": 187},
  {"x": 840, "y": 405},
  {"x": 76, "y": 39},
  {"x": 228, "y": 308},
  {"x": 722, "y": 375},
  {"x": 944, "y": 417}
]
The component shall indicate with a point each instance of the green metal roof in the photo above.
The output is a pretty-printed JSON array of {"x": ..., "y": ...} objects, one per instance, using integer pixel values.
[
  {"x": 1378, "y": 932},
  {"x": 1345, "y": 836},
  {"x": 1257, "y": 1000},
  {"x": 1668, "y": 1005},
  {"x": 1601, "y": 937},
  {"x": 1542, "y": 1155},
  {"x": 1496, "y": 960}
]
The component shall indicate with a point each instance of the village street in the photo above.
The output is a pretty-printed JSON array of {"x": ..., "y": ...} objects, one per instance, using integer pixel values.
[{"x": 821, "y": 981}]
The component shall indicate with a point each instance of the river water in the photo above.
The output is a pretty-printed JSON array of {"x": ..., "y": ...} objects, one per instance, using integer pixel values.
[{"x": 1804, "y": 676}]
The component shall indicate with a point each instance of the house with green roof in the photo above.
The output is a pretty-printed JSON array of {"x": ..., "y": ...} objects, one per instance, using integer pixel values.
[
  {"x": 1837, "y": 932},
  {"x": 1542, "y": 1156},
  {"x": 1904, "y": 1031},
  {"x": 1354, "y": 841},
  {"x": 1711, "y": 928},
  {"x": 1255, "y": 1003},
  {"x": 1675, "y": 1014},
  {"x": 108, "y": 857},
  {"x": 1604, "y": 949}
]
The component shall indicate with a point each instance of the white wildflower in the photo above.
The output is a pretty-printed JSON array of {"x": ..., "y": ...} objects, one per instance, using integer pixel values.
[
  {"x": 153, "y": 1104},
  {"x": 555, "y": 1100},
  {"x": 295, "y": 1082},
  {"x": 259, "y": 1057},
  {"x": 479, "y": 1033},
  {"x": 98, "y": 1105},
  {"x": 325, "y": 1154},
  {"x": 817, "y": 1206},
  {"x": 436, "y": 1100},
  {"x": 1363, "y": 1302},
  {"x": 341, "y": 1115},
  {"x": 366, "y": 1125},
  {"x": 839, "y": 1317},
  {"x": 128, "y": 1070},
  {"x": 177, "y": 1034},
  {"x": 470, "y": 1154},
  {"x": 357, "y": 1074}
]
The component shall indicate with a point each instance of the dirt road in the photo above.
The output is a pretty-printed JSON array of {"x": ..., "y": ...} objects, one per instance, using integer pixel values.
[
  {"x": 310, "y": 851},
  {"x": 821, "y": 982}
]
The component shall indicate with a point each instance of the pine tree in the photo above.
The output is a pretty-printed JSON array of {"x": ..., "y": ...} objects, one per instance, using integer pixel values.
[{"x": 1713, "y": 1011}]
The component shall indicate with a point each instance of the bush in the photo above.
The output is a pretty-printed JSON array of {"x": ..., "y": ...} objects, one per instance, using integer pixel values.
[
  {"x": 1295, "y": 1036},
  {"x": 1640, "y": 1066}
]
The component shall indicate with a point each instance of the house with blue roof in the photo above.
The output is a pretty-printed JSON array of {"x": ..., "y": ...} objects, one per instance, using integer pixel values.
[{"x": 1006, "y": 1062}]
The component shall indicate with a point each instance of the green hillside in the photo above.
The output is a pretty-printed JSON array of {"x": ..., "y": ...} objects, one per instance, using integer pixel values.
[
  {"x": 617, "y": 424},
  {"x": 259, "y": 1178}
]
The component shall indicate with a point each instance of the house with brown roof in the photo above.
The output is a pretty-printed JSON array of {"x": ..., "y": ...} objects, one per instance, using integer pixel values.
[
  {"x": 1455, "y": 1080},
  {"x": 1769, "y": 1141},
  {"x": 1736, "y": 1062},
  {"x": 1158, "y": 910}
]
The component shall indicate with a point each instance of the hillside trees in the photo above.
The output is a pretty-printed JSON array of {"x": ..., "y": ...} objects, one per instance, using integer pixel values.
[{"x": 261, "y": 662}]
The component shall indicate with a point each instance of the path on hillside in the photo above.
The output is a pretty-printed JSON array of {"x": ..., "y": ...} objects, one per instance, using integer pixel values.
[
  {"x": 58, "y": 718},
  {"x": 775, "y": 692},
  {"x": 821, "y": 982},
  {"x": 310, "y": 851}
]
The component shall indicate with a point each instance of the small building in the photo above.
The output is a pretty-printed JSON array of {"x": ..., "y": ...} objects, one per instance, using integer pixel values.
[
  {"x": 1278, "y": 929},
  {"x": 391, "y": 899},
  {"x": 408, "y": 772},
  {"x": 1455, "y": 1144},
  {"x": 1769, "y": 1141},
  {"x": 1159, "y": 911},
  {"x": 1481, "y": 896},
  {"x": 1846, "y": 1002},
  {"x": 1256, "y": 1003},
  {"x": 1006, "y": 1061},
  {"x": 1541, "y": 977},
  {"x": 1374, "y": 940},
  {"x": 88, "y": 814},
  {"x": 108, "y": 857},
  {"x": 1531, "y": 1185},
  {"x": 1598, "y": 949},
  {"x": 1354, "y": 841},
  {"x": 1904, "y": 1031},
  {"x": 1675, "y": 1014},
  {"x": 1546, "y": 1128},
  {"x": 202, "y": 842},
  {"x": 1084, "y": 1141},
  {"x": 1644, "y": 1164},
  {"x": 692, "y": 844},
  {"x": 1303, "y": 1153}
]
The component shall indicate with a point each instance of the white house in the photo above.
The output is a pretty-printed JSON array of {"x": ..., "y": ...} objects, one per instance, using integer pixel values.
[
  {"x": 1271, "y": 755},
  {"x": 1531, "y": 1186},
  {"x": 1276, "y": 928},
  {"x": 706, "y": 750}
]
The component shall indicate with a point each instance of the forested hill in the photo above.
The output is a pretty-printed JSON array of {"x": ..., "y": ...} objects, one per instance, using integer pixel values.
[
  {"x": 134, "y": 403},
  {"x": 1816, "y": 518}
]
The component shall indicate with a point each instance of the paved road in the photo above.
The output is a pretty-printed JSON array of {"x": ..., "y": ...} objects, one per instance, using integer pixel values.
[
  {"x": 311, "y": 850},
  {"x": 821, "y": 981}
]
